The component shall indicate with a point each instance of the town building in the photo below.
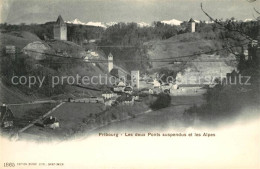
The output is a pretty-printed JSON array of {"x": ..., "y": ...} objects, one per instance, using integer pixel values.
[
  {"x": 147, "y": 91},
  {"x": 128, "y": 90},
  {"x": 51, "y": 122},
  {"x": 125, "y": 99},
  {"x": 108, "y": 94},
  {"x": 156, "y": 83},
  {"x": 60, "y": 29},
  {"x": 136, "y": 96},
  {"x": 120, "y": 87}
]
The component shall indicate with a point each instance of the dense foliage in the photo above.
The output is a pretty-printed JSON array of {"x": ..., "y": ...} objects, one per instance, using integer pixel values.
[{"x": 226, "y": 99}]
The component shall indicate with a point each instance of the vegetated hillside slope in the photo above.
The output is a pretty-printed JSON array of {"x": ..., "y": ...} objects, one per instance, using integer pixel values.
[
  {"x": 184, "y": 46},
  {"x": 206, "y": 69},
  {"x": 180, "y": 45},
  {"x": 10, "y": 94},
  {"x": 25, "y": 65},
  {"x": 18, "y": 38}
]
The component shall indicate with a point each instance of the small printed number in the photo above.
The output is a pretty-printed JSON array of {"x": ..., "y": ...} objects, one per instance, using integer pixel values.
[{"x": 9, "y": 165}]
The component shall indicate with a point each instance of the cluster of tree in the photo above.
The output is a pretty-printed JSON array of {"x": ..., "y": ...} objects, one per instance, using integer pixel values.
[
  {"x": 130, "y": 34},
  {"x": 75, "y": 33},
  {"x": 163, "y": 100},
  {"x": 125, "y": 41},
  {"x": 225, "y": 100}
]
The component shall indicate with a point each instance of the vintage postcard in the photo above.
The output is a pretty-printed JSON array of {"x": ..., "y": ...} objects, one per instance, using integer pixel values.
[{"x": 113, "y": 84}]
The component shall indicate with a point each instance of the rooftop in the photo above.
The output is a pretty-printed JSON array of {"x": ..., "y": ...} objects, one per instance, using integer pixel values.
[{"x": 60, "y": 21}]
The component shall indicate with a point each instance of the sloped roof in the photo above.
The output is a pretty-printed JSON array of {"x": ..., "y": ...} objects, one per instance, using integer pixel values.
[
  {"x": 128, "y": 88},
  {"x": 125, "y": 97},
  {"x": 60, "y": 21},
  {"x": 110, "y": 55},
  {"x": 191, "y": 20},
  {"x": 6, "y": 114}
]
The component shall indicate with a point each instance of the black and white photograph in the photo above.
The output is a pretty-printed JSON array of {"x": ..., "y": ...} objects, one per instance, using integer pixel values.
[{"x": 130, "y": 84}]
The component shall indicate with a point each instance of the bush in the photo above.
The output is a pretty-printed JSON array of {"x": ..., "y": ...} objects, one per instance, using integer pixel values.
[{"x": 163, "y": 100}]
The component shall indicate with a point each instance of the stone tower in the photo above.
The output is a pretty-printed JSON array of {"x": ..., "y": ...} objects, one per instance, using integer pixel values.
[
  {"x": 192, "y": 25},
  {"x": 135, "y": 79},
  {"x": 110, "y": 62},
  {"x": 60, "y": 29}
]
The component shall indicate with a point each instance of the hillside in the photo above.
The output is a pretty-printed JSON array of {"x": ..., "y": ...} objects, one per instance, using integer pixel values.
[
  {"x": 71, "y": 63},
  {"x": 183, "y": 47},
  {"x": 180, "y": 45},
  {"x": 18, "y": 38}
]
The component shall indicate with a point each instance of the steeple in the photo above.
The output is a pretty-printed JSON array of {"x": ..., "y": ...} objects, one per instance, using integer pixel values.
[{"x": 60, "y": 21}]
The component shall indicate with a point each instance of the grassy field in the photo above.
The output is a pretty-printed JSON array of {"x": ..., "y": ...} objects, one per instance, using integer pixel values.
[
  {"x": 24, "y": 114},
  {"x": 71, "y": 117}
]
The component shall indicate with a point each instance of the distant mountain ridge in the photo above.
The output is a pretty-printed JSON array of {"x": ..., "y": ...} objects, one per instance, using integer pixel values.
[{"x": 140, "y": 24}]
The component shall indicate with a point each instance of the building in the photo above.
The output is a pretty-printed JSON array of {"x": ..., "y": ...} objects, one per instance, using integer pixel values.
[
  {"x": 107, "y": 94},
  {"x": 156, "y": 83},
  {"x": 136, "y": 96},
  {"x": 147, "y": 91},
  {"x": 51, "y": 122},
  {"x": 6, "y": 117},
  {"x": 128, "y": 90},
  {"x": 60, "y": 29},
  {"x": 110, "y": 62},
  {"x": 192, "y": 25},
  {"x": 135, "y": 78},
  {"x": 125, "y": 99},
  {"x": 120, "y": 87}
]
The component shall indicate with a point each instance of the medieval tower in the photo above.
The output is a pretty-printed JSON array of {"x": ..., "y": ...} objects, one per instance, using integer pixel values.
[
  {"x": 110, "y": 62},
  {"x": 135, "y": 78},
  {"x": 192, "y": 25},
  {"x": 60, "y": 29}
]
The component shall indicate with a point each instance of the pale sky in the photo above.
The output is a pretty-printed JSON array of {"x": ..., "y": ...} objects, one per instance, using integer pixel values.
[{"x": 41, "y": 11}]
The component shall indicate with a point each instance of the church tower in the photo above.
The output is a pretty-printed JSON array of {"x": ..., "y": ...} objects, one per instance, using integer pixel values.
[
  {"x": 192, "y": 25},
  {"x": 110, "y": 62},
  {"x": 60, "y": 29}
]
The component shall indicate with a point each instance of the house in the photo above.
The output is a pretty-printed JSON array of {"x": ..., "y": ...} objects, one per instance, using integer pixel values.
[
  {"x": 147, "y": 91},
  {"x": 107, "y": 94},
  {"x": 156, "y": 83},
  {"x": 189, "y": 87},
  {"x": 136, "y": 96},
  {"x": 6, "y": 117},
  {"x": 120, "y": 87},
  {"x": 51, "y": 122},
  {"x": 150, "y": 81},
  {"x": 125, "y": 99},
  {"x": 108, "y": 102},
  {"x": 128, "y": 90}
]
